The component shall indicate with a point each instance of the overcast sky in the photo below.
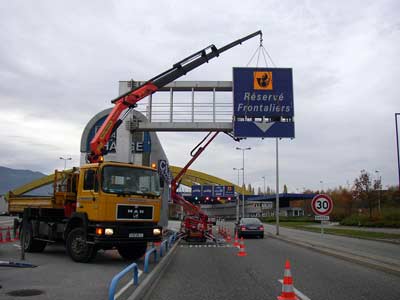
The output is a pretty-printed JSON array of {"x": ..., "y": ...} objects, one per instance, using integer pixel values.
[{"x": 60, "y": 63}]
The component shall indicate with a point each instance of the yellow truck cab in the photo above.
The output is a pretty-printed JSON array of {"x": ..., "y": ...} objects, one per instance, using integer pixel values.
[{"x": 98, "y": 206}]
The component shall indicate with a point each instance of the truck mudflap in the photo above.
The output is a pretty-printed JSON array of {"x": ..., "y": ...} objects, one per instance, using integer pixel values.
[{"x": 99, "y": 233}]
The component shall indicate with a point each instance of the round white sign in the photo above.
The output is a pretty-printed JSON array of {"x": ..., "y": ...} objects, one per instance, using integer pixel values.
[{"x": 322, "y": 205}]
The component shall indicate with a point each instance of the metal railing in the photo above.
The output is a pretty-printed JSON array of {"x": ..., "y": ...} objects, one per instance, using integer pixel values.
[
  {"x": 117, "y": 278},
  {"x": 164, "y": 248},
  {"x": 147, "y": 257},
  {"x": 186, "y": 101}
]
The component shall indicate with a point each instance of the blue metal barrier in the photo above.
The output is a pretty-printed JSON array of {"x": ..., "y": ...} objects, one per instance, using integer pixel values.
[
  {"x": 164, "y": 245},
  {"x": 172, "y": 239},
  {"x": 115, "y": 280},
  {"x": 147, "y": 256}
]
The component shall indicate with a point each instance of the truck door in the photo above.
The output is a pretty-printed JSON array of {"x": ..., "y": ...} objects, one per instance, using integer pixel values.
[{"x": 88, "y": 193}]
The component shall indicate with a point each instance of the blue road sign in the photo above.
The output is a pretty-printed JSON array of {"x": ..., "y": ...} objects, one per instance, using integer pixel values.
[
  {"x": 218, "y": 191},
  {"x": 263, "y": 129},
  {"x": 263, "y": 102},
  {"x": 196, "y": 190},
  {"x": 207, "y": 191},
  {"x": 263, "y": 92},
  {"x": 229, "y": 191}
]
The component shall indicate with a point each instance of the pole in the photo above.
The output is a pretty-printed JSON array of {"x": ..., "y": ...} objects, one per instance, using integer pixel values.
[
  {"x": 379, "y": 195},
  {"x": 277, "y": 190},
  {"x": 397, "y": 142},
  {"x": 237, "y": 197},
  {"x": 65, "y": 161},
  {"x": 244, "y": 187},
  {"x": 322, "y": 228},
  {"x": 264, "y": 184},
  {"x": 379, "y": 187}
]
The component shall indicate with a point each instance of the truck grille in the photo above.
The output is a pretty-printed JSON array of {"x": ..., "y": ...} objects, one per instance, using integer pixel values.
[{"x": 134, "y": 212}]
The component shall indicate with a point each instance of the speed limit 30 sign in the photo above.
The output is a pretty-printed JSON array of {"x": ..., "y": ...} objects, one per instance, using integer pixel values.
[{"x": 322, "y": 205}]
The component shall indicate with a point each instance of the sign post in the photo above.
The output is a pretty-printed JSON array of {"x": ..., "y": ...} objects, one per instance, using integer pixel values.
[{"x": 322, "y": 206}]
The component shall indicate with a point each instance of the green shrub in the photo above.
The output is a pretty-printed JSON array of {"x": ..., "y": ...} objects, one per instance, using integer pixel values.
[{"x": 388, "y": 219}]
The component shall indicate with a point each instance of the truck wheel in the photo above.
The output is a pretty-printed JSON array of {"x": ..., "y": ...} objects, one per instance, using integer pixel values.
[
  {"x": 28, "y": 242},
  {"x": 132, "y": 251},
  {"x": 77, "y": 247}
]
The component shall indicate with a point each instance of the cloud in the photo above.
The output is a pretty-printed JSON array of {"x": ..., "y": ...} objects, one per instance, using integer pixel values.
[{"x": 61, "y": 63}]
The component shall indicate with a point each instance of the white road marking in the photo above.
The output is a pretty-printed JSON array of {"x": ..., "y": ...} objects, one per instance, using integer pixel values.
[
  {"x": 127, "y": 286},
  {"x": 205, "y": 246},
  {"x": 297, "y": 292},
  {"x": 16, "y": 245}
]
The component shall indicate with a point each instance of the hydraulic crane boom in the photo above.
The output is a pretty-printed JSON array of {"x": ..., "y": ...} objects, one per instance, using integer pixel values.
[
  {"x": 129, "y": 99},
  {"x": 195, "y": 224},
  {"x": 187, "y": 206}
]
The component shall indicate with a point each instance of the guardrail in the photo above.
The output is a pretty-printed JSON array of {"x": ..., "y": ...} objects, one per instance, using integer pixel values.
[
  {"x": 116, "y": 279},
  {"x": 165, "y": 245},
  {"x": 147, "y": 256}
]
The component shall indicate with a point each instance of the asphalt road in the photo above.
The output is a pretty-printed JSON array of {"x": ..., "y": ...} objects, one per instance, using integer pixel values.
[
  {"x": 198, "y": 272},
  {"x": 217, "y": 273},
  {"x": 57, "y": 276},
  {"x": 380, "y": 251}
]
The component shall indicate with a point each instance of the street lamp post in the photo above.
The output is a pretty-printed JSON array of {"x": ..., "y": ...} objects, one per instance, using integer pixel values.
[
  {"x": 264, "y": 183},
  {"x": 237, "y": 198},
  {"x": 397, "y": 144},
  {"x": 379, "y": 180},
  {"x": 65, "y": 161},
  {"x": 243, "y": 150}
]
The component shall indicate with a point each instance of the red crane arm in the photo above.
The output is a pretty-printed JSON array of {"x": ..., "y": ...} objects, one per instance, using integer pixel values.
[
  {"x": 189, "y": 207},
  {"x": 97, "y": 145},
  {"x": 129, "y": 99}
]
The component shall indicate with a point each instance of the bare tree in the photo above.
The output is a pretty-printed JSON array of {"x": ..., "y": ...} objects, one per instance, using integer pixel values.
[{"x": 362, "y": 190}]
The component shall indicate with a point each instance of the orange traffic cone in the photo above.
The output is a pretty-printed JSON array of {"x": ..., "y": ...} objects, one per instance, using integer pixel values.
[
  {"x": 242, "y": 251},
  {"x": 8, "y": 235},
  {"x": 228, "y": 239},
  {"x": 287, "y": 286},
  {"x": 236, "y": 243}
]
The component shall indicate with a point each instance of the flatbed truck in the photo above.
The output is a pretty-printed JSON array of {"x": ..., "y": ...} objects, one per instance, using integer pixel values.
[
  {"x": 98, "y": 206},
  {"x": 103, "y": 205}
]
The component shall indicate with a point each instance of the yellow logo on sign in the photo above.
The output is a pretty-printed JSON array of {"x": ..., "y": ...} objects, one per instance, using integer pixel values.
[{"x": 263, "y": 80}]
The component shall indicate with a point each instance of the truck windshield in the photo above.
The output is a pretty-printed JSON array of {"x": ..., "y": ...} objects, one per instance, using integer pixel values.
[{"x": 129, "y": 180}]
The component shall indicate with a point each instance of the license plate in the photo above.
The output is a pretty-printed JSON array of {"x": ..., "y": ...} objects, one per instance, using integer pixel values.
[{"x": 136, "y": 235}]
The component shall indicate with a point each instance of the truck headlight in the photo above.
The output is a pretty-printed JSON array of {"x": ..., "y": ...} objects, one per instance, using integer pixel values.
[
  {"x": 156, "y": 231},
  {"x": 109, "y": 231}
]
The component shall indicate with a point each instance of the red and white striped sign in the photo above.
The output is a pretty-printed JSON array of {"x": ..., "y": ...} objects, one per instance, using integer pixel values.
[{"x": 322, "y": 205}]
